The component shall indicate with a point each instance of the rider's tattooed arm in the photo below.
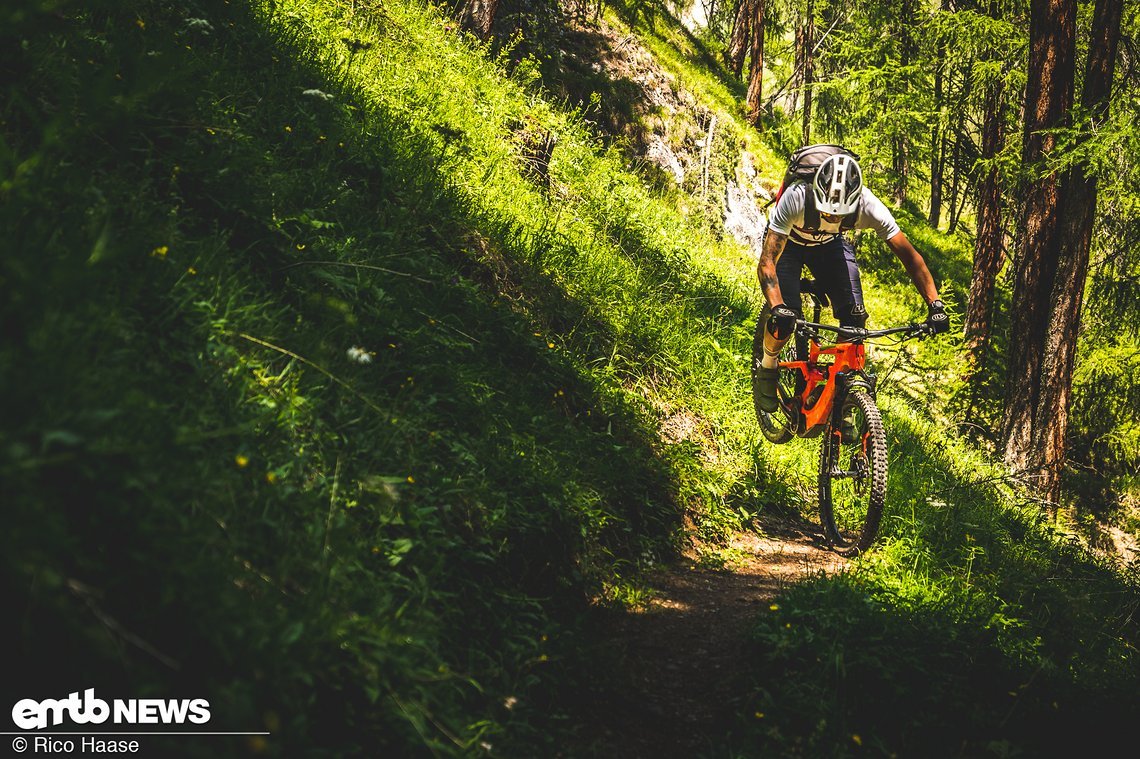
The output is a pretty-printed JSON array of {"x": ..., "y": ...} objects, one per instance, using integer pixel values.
[
  {"x": 915, "y": 266},
  {"x": 766, "y": 269}
]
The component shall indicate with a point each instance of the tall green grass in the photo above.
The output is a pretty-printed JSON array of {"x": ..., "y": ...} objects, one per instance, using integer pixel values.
[{"x": 314, "y": 403}]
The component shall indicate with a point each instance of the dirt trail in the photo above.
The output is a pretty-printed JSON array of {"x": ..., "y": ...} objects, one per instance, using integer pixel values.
[{"x": 667, "y": 683}]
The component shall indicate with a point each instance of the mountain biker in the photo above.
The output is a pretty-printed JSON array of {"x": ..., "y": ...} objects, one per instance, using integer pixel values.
[{"x": 836, "y": 197}]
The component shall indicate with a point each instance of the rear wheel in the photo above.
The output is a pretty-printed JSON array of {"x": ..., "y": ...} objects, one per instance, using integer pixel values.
[
  {"x": 853, "y": 475},
  {"x": 777, "y": 426}
]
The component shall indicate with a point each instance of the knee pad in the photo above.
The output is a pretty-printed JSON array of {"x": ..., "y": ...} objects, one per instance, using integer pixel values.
[{"x": 852, "y": 315}]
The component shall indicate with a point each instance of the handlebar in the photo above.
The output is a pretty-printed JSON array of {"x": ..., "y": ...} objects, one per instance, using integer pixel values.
[{"x": 859, "y": 334}]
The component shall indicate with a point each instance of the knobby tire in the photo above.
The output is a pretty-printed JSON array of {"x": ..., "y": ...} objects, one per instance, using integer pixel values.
[{"x": 850, "y": 508}]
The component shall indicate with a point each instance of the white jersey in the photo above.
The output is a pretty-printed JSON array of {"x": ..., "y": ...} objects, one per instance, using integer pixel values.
[{"x": 787, "y": 218}]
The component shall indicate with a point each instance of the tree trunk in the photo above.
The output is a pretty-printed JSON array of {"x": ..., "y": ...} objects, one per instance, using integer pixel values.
[
  {"x": 741, "y": 32},
  {"x": 936, "y": 148},
  {"x": 808, "y": 41},
  {"x": 1048, "y": 96},
  {"x": 955, "y": 182},
  {"x": 756, "y": 69},
  {"x": 901, "y": 142},
  {"x": 477, "y": 16},
  {"x": 899, "y": 165},
  {"x": 1078, "y": 209},
  {"x": 989, "y": 247},
  {"x": 937, "y": 132}
]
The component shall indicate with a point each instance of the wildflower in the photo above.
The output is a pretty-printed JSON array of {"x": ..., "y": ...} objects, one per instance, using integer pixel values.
[
  {"x": 199, "y": 25},
  {"x": 411, "y": 480},
  {"x": 774, "y": 607},
  {"x": 288, "y": 128},
  {"x": 140, "y": 23},
  {"x": 359, "y": 355},
  {"x": 858, "y": 739},
  {"x": 159, "y": 252},
  {"x": 241, "y": 460},
  {"x": 759, "y": 715},
  {"x": 317, "y": 95},
  {"x": 509, "y": 702},
  {"x": 271, "y": 477},
  {"x": 191, "y": 271},
  {"x": 550, "y": 345}
]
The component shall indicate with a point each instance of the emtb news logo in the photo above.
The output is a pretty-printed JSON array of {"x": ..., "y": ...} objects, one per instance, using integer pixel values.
[{"x": 29, "y": 714}]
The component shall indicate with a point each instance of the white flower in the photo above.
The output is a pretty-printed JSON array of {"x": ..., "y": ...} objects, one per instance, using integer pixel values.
[
  {"x": 199, "y": 25},
  {"x": 315, "y": 93},
  {"x": 359, "y": 355}
]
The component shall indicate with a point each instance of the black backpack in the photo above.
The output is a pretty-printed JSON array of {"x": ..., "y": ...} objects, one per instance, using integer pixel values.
[{"x": 802, "y": 166}]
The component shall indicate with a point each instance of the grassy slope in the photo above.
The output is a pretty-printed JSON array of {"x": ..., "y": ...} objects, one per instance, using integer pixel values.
[{"x": 391, "y": 552}]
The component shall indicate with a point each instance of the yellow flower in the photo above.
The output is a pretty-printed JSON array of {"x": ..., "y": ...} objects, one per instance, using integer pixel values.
[
  {"x": 191, "y": 271},
  {"x": 288, "y": 128},
  {"x": 271, "y": 477},
  {"x": 140, "y": 23},
  {"x": 550, "y": 345},
  {"x": 241, "y": 461},
  {"x": 411, "y": 480},
  {"x": 774, "y": 607},
  {"x": 759, "y": 715},
  {"x": 159, "y": 252},
  {"x": 858, "y": 740}
]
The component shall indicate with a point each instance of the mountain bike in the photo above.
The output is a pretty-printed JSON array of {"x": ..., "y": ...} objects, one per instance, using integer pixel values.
[{"x": 827, "y": 391}]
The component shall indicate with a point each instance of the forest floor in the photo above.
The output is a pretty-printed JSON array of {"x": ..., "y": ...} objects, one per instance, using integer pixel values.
[{"x": 667, "y": 683}]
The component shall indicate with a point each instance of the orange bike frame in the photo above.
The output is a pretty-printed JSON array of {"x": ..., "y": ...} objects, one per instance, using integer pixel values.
[{"x": 848, "y": 357}]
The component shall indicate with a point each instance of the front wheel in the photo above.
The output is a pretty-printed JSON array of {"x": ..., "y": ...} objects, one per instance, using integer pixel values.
[{"x": 853, "y": 475}]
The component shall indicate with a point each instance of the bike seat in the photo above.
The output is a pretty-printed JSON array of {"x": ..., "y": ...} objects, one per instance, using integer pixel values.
[{"x": 812, "y": 287}]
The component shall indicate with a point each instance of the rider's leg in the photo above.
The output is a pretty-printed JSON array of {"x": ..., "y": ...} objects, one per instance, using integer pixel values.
[
  {"x": 833, "y": 265},
  {"x": 788, "y": 270}
]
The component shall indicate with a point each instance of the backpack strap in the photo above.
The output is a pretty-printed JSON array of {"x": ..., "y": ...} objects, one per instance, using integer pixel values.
[{"x": 811, "y": 213}]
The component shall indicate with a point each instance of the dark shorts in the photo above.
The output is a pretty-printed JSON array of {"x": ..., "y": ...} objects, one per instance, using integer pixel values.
[{"x": 832, "y": 265}]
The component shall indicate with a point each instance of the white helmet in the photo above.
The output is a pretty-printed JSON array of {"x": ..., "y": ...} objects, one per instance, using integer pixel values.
[{"x": 837, "y": 185}]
